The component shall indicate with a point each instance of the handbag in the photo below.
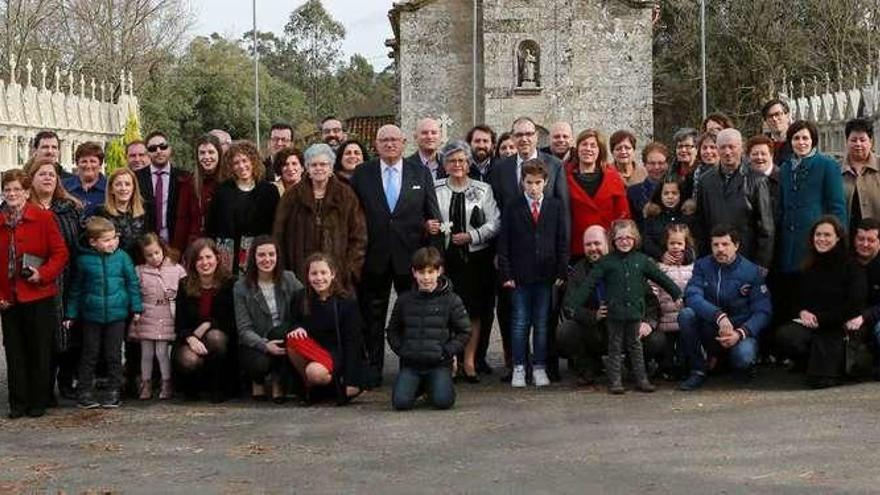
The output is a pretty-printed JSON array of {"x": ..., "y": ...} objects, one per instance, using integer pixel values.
[{"x": 478, "y": 217}]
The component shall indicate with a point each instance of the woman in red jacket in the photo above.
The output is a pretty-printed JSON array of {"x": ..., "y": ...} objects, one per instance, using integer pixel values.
[
  {"x": 196, "y": 193},
  {"x": 598, "y": 194},
  {"x": 32, "y": 255}
]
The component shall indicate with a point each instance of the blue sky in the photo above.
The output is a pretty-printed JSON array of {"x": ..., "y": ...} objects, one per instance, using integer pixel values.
[{"x": 365, "y": 21}]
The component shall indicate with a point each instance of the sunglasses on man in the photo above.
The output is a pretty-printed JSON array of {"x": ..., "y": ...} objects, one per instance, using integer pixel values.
[{"x": 156, "y": 147}]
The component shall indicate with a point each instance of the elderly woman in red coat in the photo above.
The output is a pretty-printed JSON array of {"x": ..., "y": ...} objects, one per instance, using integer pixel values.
[
  {"x": 32, "y": 255},
  {"x": 598, "y": 193}
]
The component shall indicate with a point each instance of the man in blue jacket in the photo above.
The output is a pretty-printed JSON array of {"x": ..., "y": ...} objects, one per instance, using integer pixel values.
[{"x": 727, "y": 307}]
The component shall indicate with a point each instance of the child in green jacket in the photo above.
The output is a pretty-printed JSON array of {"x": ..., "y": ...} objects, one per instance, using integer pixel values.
[{"x": 624, "y": 272}]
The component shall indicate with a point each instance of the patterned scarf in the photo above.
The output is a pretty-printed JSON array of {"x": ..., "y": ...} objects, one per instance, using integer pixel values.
[{"x": 13, "y": 218}]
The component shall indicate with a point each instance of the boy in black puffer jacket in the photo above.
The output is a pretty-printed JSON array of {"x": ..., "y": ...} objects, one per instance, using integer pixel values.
[{"x": 428, "y": 328}]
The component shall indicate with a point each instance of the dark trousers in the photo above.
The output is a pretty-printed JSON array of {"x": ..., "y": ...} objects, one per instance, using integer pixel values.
[
  {"x": 487, "y": 321},
  {"x": 623, "y": 335},
  {"x": 101, "y": 340},
  {"x": 27, "y": 339},
  {"x": 375, "y": 292},
  {"x": 441, "y": 391},
  {"x": 587, "y": 343},
  {"x": 257, "y": 365}
]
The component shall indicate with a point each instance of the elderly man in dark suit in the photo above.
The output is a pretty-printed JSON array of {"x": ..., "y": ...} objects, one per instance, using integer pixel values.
[
  {"x": 401, "y": 210},
  {"x": 506, "y": 180},
  {"x": 428, "y": 137},
  {"x": 160, "y": 185}
]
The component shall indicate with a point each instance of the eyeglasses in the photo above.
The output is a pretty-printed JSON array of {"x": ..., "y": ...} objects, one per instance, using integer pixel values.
[
  {"x": 775, "y": 115},
  {"x": 625, "y": 238},
  {"x": 280, "y": 139},
  {"x": 156, "y": 147},
  {"x": 684, "y": 146}
]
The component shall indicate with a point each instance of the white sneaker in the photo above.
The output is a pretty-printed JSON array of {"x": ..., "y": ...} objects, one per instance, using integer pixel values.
[
  {"x": 518, "y": 379},
  {"x": 539, "y": 375}
]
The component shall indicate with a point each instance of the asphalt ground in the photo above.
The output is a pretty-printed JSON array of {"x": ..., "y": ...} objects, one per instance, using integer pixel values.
[{"x": 773, "y": 436}]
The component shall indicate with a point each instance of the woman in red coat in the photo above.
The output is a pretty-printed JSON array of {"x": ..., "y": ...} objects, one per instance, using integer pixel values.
[
  {"x": 196, "y": 193},
  {"x": 31, "y": 247},
  {"x": 598, "y": 194}
]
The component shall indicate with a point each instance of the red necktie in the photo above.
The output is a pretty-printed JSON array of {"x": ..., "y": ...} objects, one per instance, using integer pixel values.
[
  {"x": 536, "y": 213},
  {"x": 159, "y": 197}
]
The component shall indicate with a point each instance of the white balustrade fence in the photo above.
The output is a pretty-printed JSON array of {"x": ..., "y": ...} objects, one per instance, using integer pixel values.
[
  {"x": 77, "y": 111},
  {"x": 831, "y": 109}
]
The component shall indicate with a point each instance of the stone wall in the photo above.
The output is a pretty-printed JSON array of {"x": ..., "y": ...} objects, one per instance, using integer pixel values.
[
  {"x": 595, "y": 64},
  {"x": 593, "y": 67},
  {"x": 77, "y": 110},
  {"x": 436, "y": 65}
]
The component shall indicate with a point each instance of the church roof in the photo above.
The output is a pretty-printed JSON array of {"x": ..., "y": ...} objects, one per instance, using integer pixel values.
[{"x": 400, "y": 6}]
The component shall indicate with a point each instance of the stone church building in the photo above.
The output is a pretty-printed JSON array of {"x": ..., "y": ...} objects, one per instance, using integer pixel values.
[{"x": 489, "y": 61}]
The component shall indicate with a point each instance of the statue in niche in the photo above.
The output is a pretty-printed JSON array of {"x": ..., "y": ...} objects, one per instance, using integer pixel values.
[{"x": 529, "y": 62}]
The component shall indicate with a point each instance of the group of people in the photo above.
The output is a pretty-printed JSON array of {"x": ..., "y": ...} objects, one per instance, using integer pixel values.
[{"x": 277, "y": 273}]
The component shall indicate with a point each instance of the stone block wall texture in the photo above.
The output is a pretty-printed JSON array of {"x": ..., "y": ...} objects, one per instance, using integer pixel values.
[
  {"x": 595, "y": 64},
  {"x": 436, "y": 65}
]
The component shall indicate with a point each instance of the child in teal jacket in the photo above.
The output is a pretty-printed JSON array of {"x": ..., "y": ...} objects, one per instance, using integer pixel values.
[{"x": 104, "y": 293}]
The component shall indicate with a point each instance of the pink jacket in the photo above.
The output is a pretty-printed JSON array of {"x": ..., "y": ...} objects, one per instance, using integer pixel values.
[
  {"x": 158, "y": 290},
  {"x": 680, "y": 274}
]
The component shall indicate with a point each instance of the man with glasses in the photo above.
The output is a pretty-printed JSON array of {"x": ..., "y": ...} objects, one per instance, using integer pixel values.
[
  {"x": 160, "y": 185},
  {"x": 402, "y": 213},
  {"x": 332, "y": 132},
  {"x": 280, "y": 137},
  {"x": 777, "y": 118},
  {"x": 506, "y": 180}
]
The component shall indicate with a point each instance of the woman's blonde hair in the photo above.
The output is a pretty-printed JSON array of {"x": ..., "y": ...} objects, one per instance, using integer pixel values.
[{"x": 137, "y": 202}]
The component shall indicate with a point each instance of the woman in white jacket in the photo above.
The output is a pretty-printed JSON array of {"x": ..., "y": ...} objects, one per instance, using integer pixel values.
[{"x": 470, "y": 223}]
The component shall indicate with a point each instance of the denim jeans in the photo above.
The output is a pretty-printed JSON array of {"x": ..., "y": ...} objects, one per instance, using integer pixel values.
[
  {"x": 531, "y": 309},
  {"x": 698, "y": 334},
  {"x": 438, "y": 380}
]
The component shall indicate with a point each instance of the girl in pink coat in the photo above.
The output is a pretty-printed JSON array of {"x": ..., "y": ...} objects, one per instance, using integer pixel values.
[
  {"x": 677, "y": 263},
  {"x": 159, "y": 277}
]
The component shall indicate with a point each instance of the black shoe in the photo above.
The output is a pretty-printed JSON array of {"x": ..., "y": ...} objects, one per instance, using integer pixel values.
[
  {"x": 506, "y": 376},
  {"x": 15, "y": 414},
  {"x": 693, "y": 382},
  {"x": 471, "y": 378},
  {"x": 112, "y": 400},
  {"x": 36, "y": 412},
  {"x": 483, "y": 367},
  {"x": 87, "y": 401}
]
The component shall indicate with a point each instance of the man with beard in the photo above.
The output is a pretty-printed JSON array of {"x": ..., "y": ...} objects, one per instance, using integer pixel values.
[
  {"x": 160, "y": 185},
  {"x": 728, "y": 306},
  {"x": 332, "y": 132},
  {"x": 582, "y": 335},
  {"x": 481, "y": 139},
  {"x": 427, "y": 136},
  {"x": 561, "y": 141}
]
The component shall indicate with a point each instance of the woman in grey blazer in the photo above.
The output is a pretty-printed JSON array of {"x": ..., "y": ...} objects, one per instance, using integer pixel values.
[
  {"x": 263, "y": 301},
  {"x": 470, "y": 223}
]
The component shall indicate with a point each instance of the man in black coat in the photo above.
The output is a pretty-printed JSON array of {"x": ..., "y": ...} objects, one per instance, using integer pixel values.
[
  {"x": 427, "y": 136},
  {"x": 506, "y": 180},
  {"x": 866, "y": 245},
  {"x": 733, "y": 194},
  {"x": 161, "y": 211},
  {"x": 402, "y": 213}
]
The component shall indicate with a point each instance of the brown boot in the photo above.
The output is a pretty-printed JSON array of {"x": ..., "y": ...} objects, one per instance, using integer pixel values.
[
  {"x": 166, "y": 392},
  {"x": 146, "y": 391}
]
